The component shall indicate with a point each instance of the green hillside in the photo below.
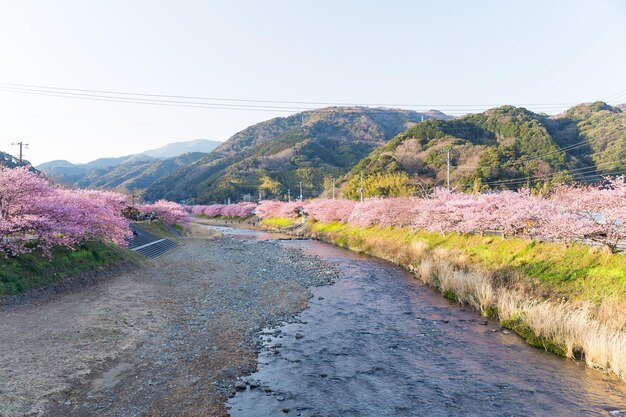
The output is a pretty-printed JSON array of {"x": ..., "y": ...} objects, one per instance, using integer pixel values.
[
  {"x": 505, "y": 147},
  {"x": 278, "y": 154},
  {"x": 7, "y": 160},
  {"x": 131, "y": 176}
]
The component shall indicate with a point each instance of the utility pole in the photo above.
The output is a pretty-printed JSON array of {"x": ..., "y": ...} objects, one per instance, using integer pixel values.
[
  {"x": 333, "y": 188},
  {"x": 21, "y": 145},
  {"x": 301, "y": 191},
  {"x": 288, "y": 195},
  {"x": 448, "y": 169},
  {"x": 361, "y": 188}
]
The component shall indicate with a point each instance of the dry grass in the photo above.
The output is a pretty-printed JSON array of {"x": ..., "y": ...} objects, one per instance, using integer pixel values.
[
  {"x": 576, "y": 329},
  {"x": 568, "y": 328},
  {"x": 572, "y": 327}
]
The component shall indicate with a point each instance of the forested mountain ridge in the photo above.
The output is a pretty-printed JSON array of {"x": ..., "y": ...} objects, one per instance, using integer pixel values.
[
  {"x": 504, "y": 147},
  {"x": 131, "y": 173},
  {"x": 276, "y": 155},
  {"x": 133, "y": 176},
  {"x": 9, "y": 161}
]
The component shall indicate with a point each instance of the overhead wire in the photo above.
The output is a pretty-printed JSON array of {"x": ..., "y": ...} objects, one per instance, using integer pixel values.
[
  {"x": 583, "y": 171},
  {"x": 121, "y": 93}
]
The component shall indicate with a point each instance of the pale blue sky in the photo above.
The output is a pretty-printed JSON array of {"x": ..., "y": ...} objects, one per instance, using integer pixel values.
[{"x": 435, "y": 53}]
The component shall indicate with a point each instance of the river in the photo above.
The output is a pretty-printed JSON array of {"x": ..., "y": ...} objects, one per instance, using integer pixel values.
[{"x": 379, "y": 343}]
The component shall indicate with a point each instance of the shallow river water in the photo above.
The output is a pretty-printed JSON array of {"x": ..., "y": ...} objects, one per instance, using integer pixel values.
[{"x": 378, "y": 343}]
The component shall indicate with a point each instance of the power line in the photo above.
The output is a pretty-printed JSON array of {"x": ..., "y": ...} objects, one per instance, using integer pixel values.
[
  {"x": 207, "y": 105},
  {"x": 173, "y": 103},
  {"x": 539, "y": 177},
  {"x": 582, "y": 143},
  {"x": 618, "y": 94},
  {"x": 585, "y": 171},
  {"x": 462, "y": 106}
]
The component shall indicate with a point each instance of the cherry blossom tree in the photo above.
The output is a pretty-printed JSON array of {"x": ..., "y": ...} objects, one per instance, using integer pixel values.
[
  {"x": 239, "y": 210},
  {"x": 329, "y": 210},
  {"x": 597, "y": 213},
  {"x": 35, "y": 214},
  {"x": 289, "y": 210},
  {"x": 214, "y": 210},
  {"x": 578, "y": 212},
  {"x": 166, "y": 211}
]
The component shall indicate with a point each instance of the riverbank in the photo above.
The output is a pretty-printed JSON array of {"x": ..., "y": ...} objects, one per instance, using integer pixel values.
[
  {"x": 35, "y": 275},
  {"x": 569, "y": 300},
  {"x": 169, "y": 338},
  {"x": 31, "y": 273}
]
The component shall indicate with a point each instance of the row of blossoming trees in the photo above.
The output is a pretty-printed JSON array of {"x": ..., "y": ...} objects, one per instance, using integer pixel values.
[
  {"x": 578, "y": 212},
  {"x": 34, "y": 213},
  {"x": 224, "y": 210},
  {"x": 167, "y": 211}
]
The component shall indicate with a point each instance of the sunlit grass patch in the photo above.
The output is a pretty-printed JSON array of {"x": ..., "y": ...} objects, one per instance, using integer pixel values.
[
  {"x": 277, "y": 222},
  {"x": 567, "y": 299}
]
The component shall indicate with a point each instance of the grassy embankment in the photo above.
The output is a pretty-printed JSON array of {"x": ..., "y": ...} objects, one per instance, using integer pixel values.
[
  {"x": 27, "y": 271},
  {"x": 570, "y": 300},
  {"x": 31, "y": 270},
  {"x": 159, "y": 229}
]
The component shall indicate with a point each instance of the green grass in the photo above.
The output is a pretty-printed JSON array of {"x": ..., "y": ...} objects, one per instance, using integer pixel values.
[
  {"x": 521, "y": 328},
  {"x": 518, "y": 273},
  {"x": 277, "y": 222},
  {"x": 576, "y": 271},
  {"x": 157, "y": 228},
  {"x": 30, "y": 270}
]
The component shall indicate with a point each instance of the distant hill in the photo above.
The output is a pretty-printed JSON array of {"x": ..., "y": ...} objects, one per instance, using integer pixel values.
[
  {"x": 128, "y": 173},
  {"x": 276, "y": 155},
  {"x": 10, "y": 161},
  {"x": 505, "y": 147},
  {"x": 134, "y": 176},
  {"x": 58, "y": 163},
  {"x": 178, "y": 148}
]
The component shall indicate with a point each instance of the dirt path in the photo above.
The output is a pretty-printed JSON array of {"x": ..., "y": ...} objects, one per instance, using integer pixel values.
[{"x": 168, "y": 339}]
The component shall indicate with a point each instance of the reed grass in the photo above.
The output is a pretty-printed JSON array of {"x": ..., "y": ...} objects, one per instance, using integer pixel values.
[{"x": 569, "y": 300}]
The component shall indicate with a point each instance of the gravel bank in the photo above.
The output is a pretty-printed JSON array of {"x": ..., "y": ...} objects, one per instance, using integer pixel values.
[{"x": 168, "y": 339}]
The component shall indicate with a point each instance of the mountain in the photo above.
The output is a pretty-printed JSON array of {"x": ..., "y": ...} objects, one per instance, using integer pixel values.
[
  {"x": 276, "y": 155},
  {"x": 57, "y": 163},
  {"x": 68, "y": 173},
  {"x": 505, "y": 147},
  {"x": 134, "y": 176},
  {"x": 9, "y": 161},
  {"x": 128, "y": 173},
  {"x": 178, "y": 148}
]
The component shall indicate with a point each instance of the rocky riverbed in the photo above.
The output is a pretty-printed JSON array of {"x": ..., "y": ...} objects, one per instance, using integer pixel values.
[
  {"x": 168, "y": 339},
  {"x": 252, "y": 325}
]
